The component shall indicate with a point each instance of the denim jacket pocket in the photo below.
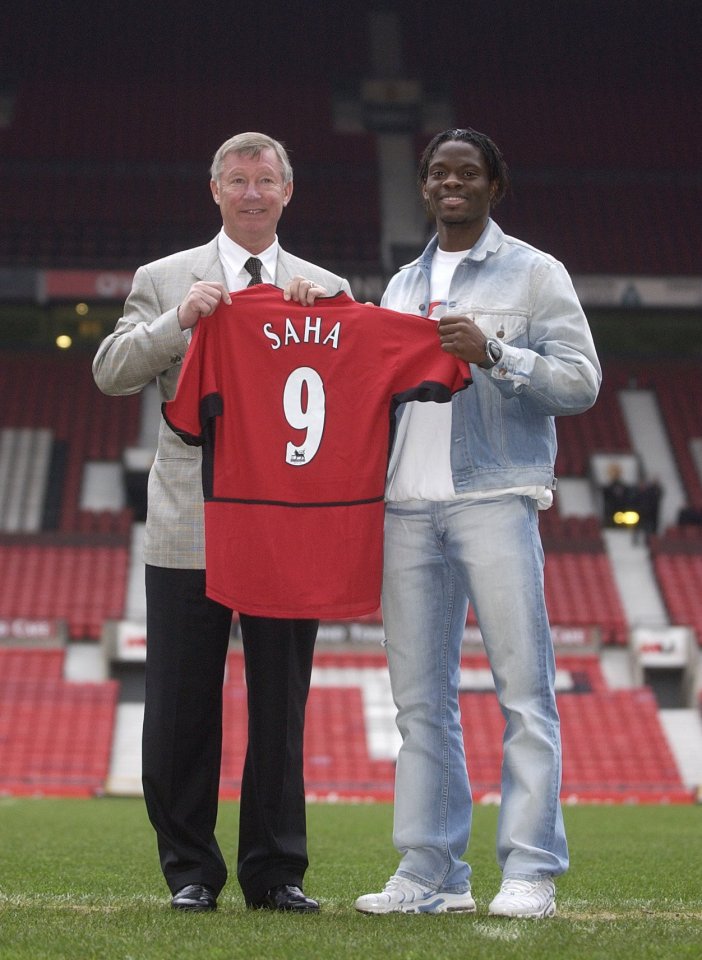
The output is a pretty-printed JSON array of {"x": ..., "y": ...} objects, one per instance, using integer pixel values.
[{"x": 504, "y": 326}]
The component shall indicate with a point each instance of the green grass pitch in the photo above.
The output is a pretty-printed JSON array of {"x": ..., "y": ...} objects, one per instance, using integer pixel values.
[{"x": 79, "y": 879}]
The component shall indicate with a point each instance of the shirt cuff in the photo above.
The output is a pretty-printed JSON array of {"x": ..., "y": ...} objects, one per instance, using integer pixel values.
[{"x": 515, "y": 365}]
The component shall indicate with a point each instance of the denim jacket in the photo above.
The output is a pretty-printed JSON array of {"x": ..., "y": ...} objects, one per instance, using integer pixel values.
[{"x": 503, "y": 430}]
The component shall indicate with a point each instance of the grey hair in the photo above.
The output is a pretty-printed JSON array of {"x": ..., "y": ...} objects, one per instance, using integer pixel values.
[{"x": 251, "y": 145}]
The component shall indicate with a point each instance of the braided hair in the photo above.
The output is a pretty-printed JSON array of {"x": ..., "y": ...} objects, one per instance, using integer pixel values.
[{"x": 497, "y": 168}]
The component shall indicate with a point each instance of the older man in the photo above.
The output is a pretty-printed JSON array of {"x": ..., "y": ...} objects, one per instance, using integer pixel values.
[{"x": 188, "y": 633}]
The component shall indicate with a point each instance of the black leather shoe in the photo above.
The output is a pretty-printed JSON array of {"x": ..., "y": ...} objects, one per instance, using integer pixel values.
[
  {"x": 286, "y": 897},
  {"x": 195, "y": 897}
]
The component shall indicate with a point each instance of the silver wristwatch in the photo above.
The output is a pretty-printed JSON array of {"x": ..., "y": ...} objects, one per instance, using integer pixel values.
[{"x": 493, "y": 350}]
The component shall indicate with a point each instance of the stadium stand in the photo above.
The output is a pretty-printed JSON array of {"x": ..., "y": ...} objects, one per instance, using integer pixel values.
[
  {"x": 55, "y": 736},
  {"x": 58, "y": 561},
  {"x": 17, "y": 664},
  {"x": 138, "y": 192},
  {"x": 614, "y": 740},
  {"x": 25, "y": 460},
  {"x": 82, "y": 585},
  {"x": 600, "y": 429},
  {"x": 614, "y": 746},
  {"x": 580, "y": 590},
  {"x": 109, "y": 201},
  {"x": 139, "y": 189},
  {"x": 44, "y": 391},
  {"x": 605, "y": 166},
  {"x": 679, "y": 391},
  {"x": 79, "y": 573},
  {"x": 678, "y": 564}
]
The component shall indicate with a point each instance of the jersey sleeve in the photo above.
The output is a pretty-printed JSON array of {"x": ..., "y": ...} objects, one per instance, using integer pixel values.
[
  {"x": 422, "y": 370},
  {"x": 197, "y": 398}
]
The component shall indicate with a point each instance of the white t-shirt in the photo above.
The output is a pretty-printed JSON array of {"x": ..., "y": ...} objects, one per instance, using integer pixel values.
[{"x": 420, "y": 465}]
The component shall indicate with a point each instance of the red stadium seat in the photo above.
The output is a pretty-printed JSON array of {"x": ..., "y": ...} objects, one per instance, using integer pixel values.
[{"x": 55, "y": 736}]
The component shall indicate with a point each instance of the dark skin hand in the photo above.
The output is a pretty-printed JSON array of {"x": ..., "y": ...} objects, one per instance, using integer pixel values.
[{"x": 461, "y": 337}]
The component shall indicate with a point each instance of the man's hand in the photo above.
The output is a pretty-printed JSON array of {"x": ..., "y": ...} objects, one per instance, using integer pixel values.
[
  {"x": 304, "y": 291},
  {"x": 201, "y": 300},
  {"x": 462, "y": 337}
]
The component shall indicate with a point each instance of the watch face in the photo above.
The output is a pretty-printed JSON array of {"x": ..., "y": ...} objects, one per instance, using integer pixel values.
[{"x": 493, "y": 353}]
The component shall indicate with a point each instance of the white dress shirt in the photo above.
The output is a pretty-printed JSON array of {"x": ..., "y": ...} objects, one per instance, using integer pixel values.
[{"x": 234, "y": 256}]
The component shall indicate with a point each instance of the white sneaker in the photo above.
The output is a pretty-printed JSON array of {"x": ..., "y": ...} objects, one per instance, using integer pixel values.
[
  {"x": 406, "y": 896},
  {"x": 525, "y": 898}
]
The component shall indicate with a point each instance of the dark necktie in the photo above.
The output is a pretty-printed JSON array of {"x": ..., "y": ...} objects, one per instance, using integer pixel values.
[{"x": 253, "y": 265}]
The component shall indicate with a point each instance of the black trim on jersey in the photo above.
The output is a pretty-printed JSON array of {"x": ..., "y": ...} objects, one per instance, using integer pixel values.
[
  {"x": 191, "y": 439},
  {"x": 427, "y": 390},
  {"x": 285, "y": 503},
  {"x": 210, "y": 408},
  {"x": 209, "y": 439}
]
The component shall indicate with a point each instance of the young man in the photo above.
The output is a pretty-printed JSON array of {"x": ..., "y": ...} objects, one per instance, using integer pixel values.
[{"x": 465, "y": 485}]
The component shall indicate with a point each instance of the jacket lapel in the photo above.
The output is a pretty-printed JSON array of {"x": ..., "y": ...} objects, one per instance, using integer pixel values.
[
  {"x": 207, "y": 265},
  {"x": 285, "y": 269}
]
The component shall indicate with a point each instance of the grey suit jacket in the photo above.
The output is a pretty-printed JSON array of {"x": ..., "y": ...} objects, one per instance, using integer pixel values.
[{"x": 147, "y": 344}]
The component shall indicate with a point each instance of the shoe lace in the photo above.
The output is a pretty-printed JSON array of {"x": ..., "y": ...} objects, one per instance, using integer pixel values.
[
  {"x": 402, "y": 883},
  {"x": 518, "y": 887}
]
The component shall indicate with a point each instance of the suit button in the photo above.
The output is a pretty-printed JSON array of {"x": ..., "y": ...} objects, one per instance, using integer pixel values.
[{"x": 175, "y": 359}]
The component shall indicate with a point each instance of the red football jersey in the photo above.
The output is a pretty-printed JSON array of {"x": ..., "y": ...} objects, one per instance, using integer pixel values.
[{"x": 293, "y": 407}]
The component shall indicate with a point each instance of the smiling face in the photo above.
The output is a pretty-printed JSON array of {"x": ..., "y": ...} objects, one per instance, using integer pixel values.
[
  {"x": 251, "y": 194},
  {"x": 458, "y": 192}
]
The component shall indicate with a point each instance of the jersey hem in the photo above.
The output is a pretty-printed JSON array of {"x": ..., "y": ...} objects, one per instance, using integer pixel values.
[{"x": 335, "y": 612}]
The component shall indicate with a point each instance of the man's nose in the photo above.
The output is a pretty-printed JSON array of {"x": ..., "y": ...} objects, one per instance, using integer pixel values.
[{"x": 252, "y": 190}]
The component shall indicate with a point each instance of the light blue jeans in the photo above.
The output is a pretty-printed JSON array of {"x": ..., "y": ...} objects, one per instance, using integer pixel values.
[{"x": 437, "y": 557}]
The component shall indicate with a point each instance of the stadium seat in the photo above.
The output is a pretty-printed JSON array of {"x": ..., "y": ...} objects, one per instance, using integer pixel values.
[
  {"x": 55, "y": 736},
  {"x": 81, "y": 585},
  {"x": 614, "y": 747}
]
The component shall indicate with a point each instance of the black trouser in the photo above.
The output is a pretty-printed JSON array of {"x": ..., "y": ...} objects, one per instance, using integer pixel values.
[{"x": 187, "y": 641}]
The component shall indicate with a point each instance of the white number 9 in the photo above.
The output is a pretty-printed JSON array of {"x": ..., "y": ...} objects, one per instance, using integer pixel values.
[{"x": 309, "y": 418}]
